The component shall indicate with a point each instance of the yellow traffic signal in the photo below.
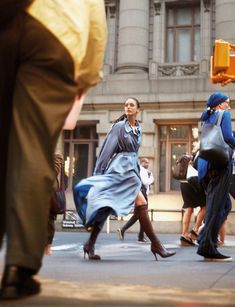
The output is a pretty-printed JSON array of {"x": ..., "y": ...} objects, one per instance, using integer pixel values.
[
  {"x": 222, "y": 68},
  {"x": 221, "y": 56}
]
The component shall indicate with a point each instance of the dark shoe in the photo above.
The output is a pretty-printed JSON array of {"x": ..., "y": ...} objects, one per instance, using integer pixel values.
[
  {"x": 186, "y": 241},
  {"x": 90, "y": 251},
  {"x": 218, "y": 257},
  {"x": 18, "y": 282},
  {"x": 120, "y": 233},
  {"x": 193, "y": 234},
  {"x": 142, "y": 240}
]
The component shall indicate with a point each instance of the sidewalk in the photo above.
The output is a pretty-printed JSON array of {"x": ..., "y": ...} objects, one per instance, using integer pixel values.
[{"x": 127, "y": 275}]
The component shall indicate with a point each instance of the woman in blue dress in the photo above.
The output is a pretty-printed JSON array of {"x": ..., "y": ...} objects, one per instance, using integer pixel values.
[
  {"x": 115, "y": 186},
  {"x": 216, "y": 180}
]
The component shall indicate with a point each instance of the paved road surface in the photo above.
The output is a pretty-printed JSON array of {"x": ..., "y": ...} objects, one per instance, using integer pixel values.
[{"x": 128, "y": 275}]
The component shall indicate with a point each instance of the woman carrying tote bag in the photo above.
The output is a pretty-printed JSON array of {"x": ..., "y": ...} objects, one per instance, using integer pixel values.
[{"x": 216, "y": 180}]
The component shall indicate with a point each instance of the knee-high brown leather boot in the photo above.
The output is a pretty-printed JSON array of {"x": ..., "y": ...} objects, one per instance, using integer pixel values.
[{"x": 156, "y": 245}]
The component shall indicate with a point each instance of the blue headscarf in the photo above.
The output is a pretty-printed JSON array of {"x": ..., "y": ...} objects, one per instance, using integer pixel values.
[{"x": 215, "y": 99}]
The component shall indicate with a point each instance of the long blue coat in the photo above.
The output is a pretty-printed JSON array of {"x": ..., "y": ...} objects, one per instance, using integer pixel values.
[{"x": 116, "y": 181}]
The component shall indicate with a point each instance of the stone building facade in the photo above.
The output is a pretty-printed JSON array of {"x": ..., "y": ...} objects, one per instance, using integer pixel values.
[{"x": 159, "y": 52}]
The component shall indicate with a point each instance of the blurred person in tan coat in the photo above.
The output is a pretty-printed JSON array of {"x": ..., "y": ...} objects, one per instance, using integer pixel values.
[{"x": 50, "y": 52}]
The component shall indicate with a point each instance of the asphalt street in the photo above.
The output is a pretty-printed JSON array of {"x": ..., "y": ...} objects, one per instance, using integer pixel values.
[{"x": 128, "y": 275}]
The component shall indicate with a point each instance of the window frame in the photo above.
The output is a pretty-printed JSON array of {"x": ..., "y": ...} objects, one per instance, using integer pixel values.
[
  {"x": 168, "y": 142},
  {"x": 176, "y": 28},
  {"x": 92, "y": 143}
]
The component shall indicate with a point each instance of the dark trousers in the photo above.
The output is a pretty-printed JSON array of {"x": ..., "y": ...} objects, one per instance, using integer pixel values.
[
  {"x": 218, "y": 205},
  {"x": 232, "y": 187},
  {"x": 135, "y": 217},
  {"x": 37, "y": 90}
]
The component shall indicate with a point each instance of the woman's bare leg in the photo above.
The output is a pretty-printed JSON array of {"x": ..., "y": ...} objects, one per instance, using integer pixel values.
[
  {"x": 222, "y": 233},
  {"x": 200, "y": 219},
  {"x": 186, "y": 222}
]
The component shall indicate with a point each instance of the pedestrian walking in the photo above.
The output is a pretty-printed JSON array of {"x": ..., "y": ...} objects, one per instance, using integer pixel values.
[
  {"x": 216, "y": 179},
  {"x": 115, "y": 186},
  {"x": 50, "y": 51},
  {"x": 147, "y": 179},
  {"x": 193, "y": 196},
  {"x": 192, "y": 199}
]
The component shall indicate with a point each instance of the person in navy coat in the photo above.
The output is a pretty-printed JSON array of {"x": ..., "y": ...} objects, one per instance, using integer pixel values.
[{"x": 216, "y": 180}]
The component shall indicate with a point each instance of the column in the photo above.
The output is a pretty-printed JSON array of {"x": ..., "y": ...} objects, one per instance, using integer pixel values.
[
  {"x": 206, "y": 34},
  {"x": 133, "y": 36},
  {"x": 111, "y": 8},
  {"x": 158, "y": 33},
  {"x": 158, "y": 38}
]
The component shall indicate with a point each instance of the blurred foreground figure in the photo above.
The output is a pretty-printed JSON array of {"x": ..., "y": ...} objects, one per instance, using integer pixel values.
[{"x": 50, "y": 52}]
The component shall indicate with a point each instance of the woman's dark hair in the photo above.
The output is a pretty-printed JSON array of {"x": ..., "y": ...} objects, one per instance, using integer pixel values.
[{"x": 123, "y": 116}]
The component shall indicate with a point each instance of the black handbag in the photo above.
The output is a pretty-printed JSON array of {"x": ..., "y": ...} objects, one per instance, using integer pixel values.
[{"x": 213, "y": 148}]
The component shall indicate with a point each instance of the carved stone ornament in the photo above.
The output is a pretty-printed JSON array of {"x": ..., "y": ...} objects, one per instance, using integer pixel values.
[
  {"x": 111, "y": 8},
  {"x": 179, "y": 70},
  {"x": 207, "y": 5},
  {"x": 167, "y": 71},
  {"x": 157, "y": 8}
]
